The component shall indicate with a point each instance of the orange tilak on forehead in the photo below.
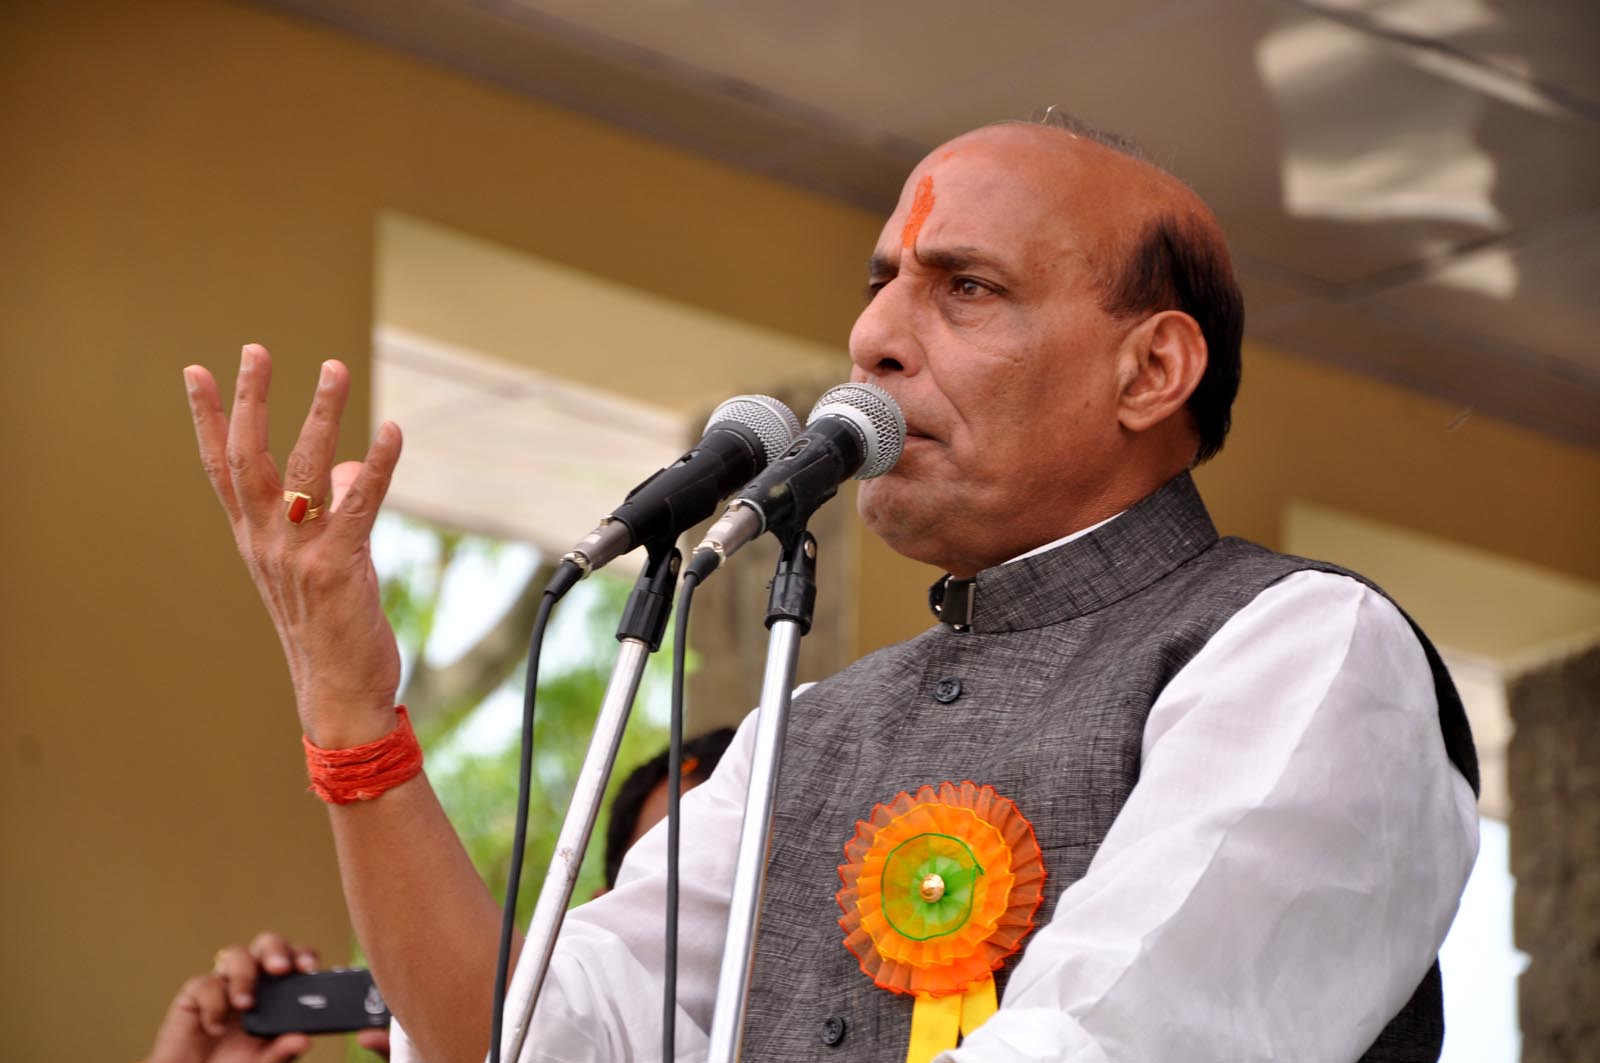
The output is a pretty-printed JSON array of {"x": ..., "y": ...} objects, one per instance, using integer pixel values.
[{"x": 921, "y": 207}]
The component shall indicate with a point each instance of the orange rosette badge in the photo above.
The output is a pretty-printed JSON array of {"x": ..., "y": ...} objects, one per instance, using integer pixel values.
[{"x": 938, "y": 890}]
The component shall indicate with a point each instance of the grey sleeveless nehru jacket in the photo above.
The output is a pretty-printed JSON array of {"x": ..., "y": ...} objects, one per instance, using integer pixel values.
[{"x": 1064, "y": 655}]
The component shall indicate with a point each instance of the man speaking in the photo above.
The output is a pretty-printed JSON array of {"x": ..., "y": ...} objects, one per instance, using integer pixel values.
[{"x": 1141, "y": 794}]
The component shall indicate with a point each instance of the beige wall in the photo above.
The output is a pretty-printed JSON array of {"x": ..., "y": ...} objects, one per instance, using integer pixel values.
[
  {"x": 185, "y": 176},
  {"x": 179, "y": 178}
]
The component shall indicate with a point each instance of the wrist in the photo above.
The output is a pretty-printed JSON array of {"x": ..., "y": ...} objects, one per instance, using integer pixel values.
[
  {"x": 339, "y": 723},
  {"x": 363, "y": 772}
]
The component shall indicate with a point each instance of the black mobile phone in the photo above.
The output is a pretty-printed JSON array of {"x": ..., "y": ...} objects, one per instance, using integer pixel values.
[{"x": 333, "y": 1001}]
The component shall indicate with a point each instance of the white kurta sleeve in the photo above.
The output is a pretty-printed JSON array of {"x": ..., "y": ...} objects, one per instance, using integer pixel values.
[{"x": 1284, "y": 871}]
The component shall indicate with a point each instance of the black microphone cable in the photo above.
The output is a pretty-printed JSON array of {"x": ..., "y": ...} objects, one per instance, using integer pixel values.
[
  {"x": 566, "y": 576},
  {"x": 669, "y": 989}
]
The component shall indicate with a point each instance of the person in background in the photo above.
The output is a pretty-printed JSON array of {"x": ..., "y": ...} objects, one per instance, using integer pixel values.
[{"x": 641, "y": 800}]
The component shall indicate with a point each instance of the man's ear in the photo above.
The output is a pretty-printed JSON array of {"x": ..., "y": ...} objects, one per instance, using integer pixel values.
[{"x": 1161, "y": 362}]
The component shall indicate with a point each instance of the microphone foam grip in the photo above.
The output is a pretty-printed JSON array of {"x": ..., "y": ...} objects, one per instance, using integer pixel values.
[
  {"x": 774, "y": 424},
  {"x": 875, "y": 415}
]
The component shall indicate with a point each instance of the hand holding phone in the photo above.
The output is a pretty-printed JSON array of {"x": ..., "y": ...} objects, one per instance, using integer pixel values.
[{"x": 207, "y": 1018}]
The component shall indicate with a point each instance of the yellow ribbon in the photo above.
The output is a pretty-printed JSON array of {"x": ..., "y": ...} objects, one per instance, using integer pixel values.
[{"x": 938, "y": 1023}]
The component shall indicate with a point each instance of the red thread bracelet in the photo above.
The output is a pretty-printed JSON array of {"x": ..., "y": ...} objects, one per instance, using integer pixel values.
[{"x": 360, "y": 773}]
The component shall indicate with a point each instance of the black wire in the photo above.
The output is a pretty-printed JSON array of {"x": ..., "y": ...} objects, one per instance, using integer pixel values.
[
  {"x": 508, "y": 920},
  {"x": 669, "y": 990}
]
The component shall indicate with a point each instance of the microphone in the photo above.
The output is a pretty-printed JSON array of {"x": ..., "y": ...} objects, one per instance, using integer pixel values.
[
  {"x": 742, "y": 436},
  {"x": 854, "y": 429}
]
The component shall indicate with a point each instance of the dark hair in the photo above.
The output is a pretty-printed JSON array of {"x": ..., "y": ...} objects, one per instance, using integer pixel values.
[
  {"x": 1177, "y": 265},
  {"x": 1070, "y": 123},
  {"x": 700, "y": 758}
]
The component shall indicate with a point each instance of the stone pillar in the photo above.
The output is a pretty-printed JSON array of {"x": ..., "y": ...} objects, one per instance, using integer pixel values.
[{"x": 1554, "y": 774}]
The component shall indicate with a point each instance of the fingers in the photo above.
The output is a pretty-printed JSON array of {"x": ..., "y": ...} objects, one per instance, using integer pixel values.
[
  {"x": 274, "y": 953},
  {"x": 215, "y": 999},
  {"x": 307, "y": 469},
  {"x": 284, "y": 1048},
  {"x": 211, "y": 432},
  {"x": 374, "y": 1041},
  {"x": 206, "y": 996},
  {"x": 234, "y": 447},
  {"x": 344, "y": 474},
  {"x": 239, "y": 970},
  {"x": 358, "y": 506},
  {"x": 255, "y": 477},
  {"x": 278, "y": 955},
  {"x": 185, "y": 1033},
  {"x": 306, "y": 960}
]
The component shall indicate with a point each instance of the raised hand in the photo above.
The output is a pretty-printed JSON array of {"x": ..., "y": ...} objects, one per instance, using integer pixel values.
[{"x": 310, "y": 557}]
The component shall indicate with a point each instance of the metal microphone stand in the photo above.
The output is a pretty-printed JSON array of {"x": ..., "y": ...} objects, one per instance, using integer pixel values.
[
  {"x": 643, "y": 624},
  {"x": 794, "y": 593}
]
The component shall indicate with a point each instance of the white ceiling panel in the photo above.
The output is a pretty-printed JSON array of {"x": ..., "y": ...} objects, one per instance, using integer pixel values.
[
  {"x": 1550, "y": 44},
  {"x": 475, "y": 424},
  {"x": 1540, "y": 297},
  {"x": 858, "y": 61}
]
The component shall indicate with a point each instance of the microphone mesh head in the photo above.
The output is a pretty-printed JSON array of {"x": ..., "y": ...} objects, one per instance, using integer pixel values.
[
  {"x": 876, "y": 415},
  {"x": 772, "y": 422}
]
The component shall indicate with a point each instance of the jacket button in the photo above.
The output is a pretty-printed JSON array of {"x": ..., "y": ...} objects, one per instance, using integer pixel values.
[
  {"x": 947, "y": 690},
  {"x": 832, "y": 1030}
]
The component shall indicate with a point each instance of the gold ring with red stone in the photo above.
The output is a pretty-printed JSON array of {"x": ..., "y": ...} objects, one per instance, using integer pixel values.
[{"x": 298, "y": 508}]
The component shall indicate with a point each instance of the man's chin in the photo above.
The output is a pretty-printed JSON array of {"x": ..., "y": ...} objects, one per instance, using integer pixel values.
[
  {"x": 876, "y": 502},
  {"x": 896, "y": 512}
]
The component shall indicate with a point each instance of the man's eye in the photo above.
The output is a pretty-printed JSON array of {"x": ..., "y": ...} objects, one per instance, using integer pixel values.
[
  {"x": 969, "y": 288},
  {"x": 872, "y": 289}
]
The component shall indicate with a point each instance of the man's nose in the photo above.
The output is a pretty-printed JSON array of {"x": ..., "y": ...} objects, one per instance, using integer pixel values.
[{"x": 884, "y": 340}]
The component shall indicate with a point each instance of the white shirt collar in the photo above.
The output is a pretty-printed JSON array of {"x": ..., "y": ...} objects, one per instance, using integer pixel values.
[{"x": 1080, "y": 533}]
